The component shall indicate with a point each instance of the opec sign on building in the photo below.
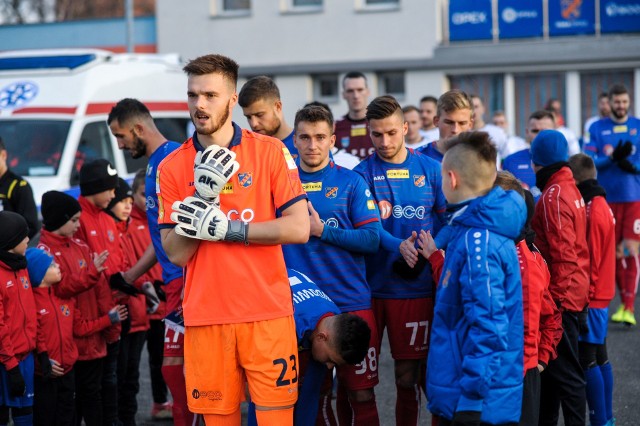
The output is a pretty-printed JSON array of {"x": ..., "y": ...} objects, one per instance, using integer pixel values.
[
  {"x": 470, "y": 20},
  {"x": 520, "y": 18}
]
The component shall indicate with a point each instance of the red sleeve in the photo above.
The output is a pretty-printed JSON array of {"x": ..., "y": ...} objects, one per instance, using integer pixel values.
[
  {"x": 559, "y": 230},
  {"x": 83, "y": 327},
  {"x": 7, "y": 355},
  {"x": 550, "y": 329},
  {"x": 79, "y": 277},
  {"x": 437, "y": 262}
]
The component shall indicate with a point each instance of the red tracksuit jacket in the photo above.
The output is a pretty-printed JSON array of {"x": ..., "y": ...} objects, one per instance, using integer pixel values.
[
  {"x": 82, "y": 282},
  {"x": 560, "y": 224},
  {"x": 542, "y": 319},
  {"x": 601, "y": 236},
  {"x": 98, "y": 230},
  {"x": 58, "y": 321},
  {"x": 17, "y": 316}
]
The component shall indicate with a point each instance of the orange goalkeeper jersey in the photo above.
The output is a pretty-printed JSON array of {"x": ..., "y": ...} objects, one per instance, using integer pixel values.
[{"x": 232, "y": 282}]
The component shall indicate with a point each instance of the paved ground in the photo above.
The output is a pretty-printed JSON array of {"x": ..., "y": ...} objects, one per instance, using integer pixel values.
[{"x": 624, "y": 353}]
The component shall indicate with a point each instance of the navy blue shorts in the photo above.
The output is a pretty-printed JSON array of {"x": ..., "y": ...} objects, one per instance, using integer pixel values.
[{"x": 598, "y": 319}]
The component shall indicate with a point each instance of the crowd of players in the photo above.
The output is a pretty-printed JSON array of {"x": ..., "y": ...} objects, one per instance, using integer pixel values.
[{"x": 286, "y": 251}]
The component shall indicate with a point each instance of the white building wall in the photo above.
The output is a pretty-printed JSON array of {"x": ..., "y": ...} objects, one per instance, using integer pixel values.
[{"x": 270, "y": 35}]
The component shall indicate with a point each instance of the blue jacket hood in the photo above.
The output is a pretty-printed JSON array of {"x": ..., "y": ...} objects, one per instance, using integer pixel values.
[{"x": 502, "y": 212}]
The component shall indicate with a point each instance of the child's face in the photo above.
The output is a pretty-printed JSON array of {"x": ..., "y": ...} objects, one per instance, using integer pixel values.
[
  {"x": 102, "y": 199},
  {"x": 122, "y": 209},
  {"x": 53, "y": 275},
  {"x": 139, "y": 198},
  {"x": 70, "y": 228},
  {"x": 21, "y": 248}
]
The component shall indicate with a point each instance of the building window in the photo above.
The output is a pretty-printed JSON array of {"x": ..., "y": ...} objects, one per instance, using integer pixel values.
[
  {"x": 392, "y": 83},
  {"x": 306, "y": 3},
  {"x": 374, "y": 5},
  {"x": 230, "y": 7},
  {"x": 325, "y": 87}
]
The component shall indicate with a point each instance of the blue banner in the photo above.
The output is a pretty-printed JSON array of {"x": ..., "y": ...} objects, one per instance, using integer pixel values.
[
  {"x": 520, "y": 18},
  {"x": 568, "y": 17},
  {"x": 470, "y": 20},
  {"x": 619, "y": 16}
]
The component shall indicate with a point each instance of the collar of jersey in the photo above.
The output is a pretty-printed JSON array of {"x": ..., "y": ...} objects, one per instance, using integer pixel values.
[
  {"x": 389, "y": 165},
  {"x": 313, "y": 176},
  {"x": 235, "y": 140}
]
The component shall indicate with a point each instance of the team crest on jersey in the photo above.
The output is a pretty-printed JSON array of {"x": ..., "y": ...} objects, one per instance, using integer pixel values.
[
  {"x": 345, "y": 142},
  {"x": 331, "y": 192},
  {"x": 245, "y": 179},
  {"x": 65, "y": 310},
  {"x": 445, "y": 281},
  {"x": 418, "y": 180},
  {"x": 25, "y": 283},
  {"x": 82, "y": 263},
  {"x": 633, "y": 132},
  {"x": 110, "y": 235}
]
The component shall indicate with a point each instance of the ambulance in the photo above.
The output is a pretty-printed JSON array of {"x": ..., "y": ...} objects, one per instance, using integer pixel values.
[{"x": 54, "y": 106}]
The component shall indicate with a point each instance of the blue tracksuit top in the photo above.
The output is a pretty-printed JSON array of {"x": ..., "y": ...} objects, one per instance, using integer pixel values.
[{"x": 476, "y": 356}]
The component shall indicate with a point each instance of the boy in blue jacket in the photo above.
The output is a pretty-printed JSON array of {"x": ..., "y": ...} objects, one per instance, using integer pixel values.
[{"x": 475, "y": 364}]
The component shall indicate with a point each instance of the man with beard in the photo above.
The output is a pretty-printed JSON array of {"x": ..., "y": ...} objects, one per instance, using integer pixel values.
[
  {"x": 225, "y": 221},
  {"x": 262, "y": 107},
  {"x": 614, "y": 144},
  {"x": 132, "y": 125},
  {"x": 406, "y": 185}
]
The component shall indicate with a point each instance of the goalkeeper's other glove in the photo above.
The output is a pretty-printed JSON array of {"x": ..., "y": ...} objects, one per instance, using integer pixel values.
[
  {"x": 212, "y": 170},
  {"x": 198, "y": 219}
]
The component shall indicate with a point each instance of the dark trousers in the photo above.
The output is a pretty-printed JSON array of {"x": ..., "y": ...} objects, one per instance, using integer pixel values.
[
  {"x": 155, "y": 348},
  {"x": 530, "y": 398},
  {"x": 89, "y": 392},
  {"x": 110, "y": 385},
  {"x": 563, "y": 381},
  {"x": 54, "y": 402},
  {"x": 128, "y": 376}
]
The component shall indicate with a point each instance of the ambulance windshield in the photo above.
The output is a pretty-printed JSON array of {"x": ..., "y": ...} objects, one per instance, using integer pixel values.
[{"x": 34, "y": 147}]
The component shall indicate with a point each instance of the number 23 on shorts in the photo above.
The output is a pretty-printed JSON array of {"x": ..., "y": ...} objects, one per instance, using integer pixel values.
[{"x": 286, "y": 365}]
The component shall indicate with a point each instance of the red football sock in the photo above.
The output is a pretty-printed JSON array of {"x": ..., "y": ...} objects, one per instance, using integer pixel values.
[
  {"x": 326, "y": 416},
  {"x": 345, "y": 414},
  {"x": 407, "y": 405},
  {"x": 366, "y": 413},
  {"x": 174, "y": 378}
]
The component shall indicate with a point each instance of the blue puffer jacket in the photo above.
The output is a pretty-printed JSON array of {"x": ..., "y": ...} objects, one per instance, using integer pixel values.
[{"x": 476, "y": 354}]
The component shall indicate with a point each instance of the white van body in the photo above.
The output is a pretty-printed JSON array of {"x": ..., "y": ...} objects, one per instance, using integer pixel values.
[{"x": 54, "y": 106}]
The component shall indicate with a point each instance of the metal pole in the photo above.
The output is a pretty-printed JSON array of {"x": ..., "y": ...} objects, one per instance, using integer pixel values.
[{"x": 128, "y": 14}]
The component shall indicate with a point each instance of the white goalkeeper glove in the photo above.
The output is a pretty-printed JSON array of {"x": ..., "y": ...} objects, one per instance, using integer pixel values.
[
  {"x": 212, "y": 170},
  {"x": 204, "y": 221}
]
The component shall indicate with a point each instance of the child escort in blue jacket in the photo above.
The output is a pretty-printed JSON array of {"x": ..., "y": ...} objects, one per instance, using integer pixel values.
[{"x": 475, "y": 364}]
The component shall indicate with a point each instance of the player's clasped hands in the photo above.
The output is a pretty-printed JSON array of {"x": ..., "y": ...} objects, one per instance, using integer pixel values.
[{"x": 426, "y": 244}]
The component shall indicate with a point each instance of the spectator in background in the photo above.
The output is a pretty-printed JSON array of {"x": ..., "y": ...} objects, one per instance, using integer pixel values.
[
  {"x": 604, "y": 109},
  {"x": 16, "y": 194},
  {"x": 497, "y": 135},
  {"x": 414, "y": 138},
  {"x": 514, "y": 143},
  {"x": 428, "y": 108},
  {"x": 352, "y": 131},
  {"x": 555, "y": 106}
]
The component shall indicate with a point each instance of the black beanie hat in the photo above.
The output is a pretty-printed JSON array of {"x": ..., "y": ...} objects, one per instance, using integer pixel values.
[
  {"x": 13, "y": 229},
  {"x": 57, "y": 209},
  {"x": 122, "y": 191},
  {"x": 97, "y": 176}
]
